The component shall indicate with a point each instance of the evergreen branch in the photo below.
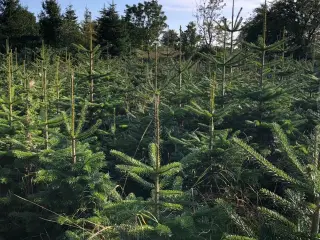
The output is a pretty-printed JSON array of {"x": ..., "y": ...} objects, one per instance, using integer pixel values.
[
  {"x": 276, "y": 45},
  {"x": 236, "y": 237},
  {"x": 82, "y": 119},
  {"x": 138, "y": 170},
  {"x": 171, "y": 166},
  {"x": 172, "y": 206},
  {"x": 277, "y": 200},
  {"x": 128, "y": 160},
  {"x": 66, "y": 122},
  {"x": 125, "y": 204},
  {"x": 80, "y": 47},
  {"x": 252, "y": 46},
  {"x": 170, "y": 193},
  {"x": 237, "y": 220},
  {"x": 283, "y": 141},
  {"x": 265, "y": 163},
  {"x": 172, "y": 171},
  {"x": 90, "y": 131},
  {"x": 179, "y": 141},
  {"x": 140, "y": 180},
  {"x": 54, "y": 121},
  {"x": 197, "y": 111},
  {"x": 275, "y": 216},
  {"x": 23, "y": 155}
]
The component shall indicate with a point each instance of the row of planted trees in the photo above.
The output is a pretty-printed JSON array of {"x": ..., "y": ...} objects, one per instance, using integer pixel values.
[{"x": 220, "y": 146}]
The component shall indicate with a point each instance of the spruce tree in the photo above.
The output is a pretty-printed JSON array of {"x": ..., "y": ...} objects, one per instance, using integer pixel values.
[
  {"x": 50, "y": 21},
  {"x": 111, "y": 32},
  {"x": 190, "y": 39},
  {"x": 70, "y": 29},
  {"x": 88, "y": 27}
]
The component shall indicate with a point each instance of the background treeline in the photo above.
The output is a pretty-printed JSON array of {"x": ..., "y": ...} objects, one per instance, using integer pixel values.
[
  {"x": 120, "y": 128},
  {"x": 140, "y": 25}
]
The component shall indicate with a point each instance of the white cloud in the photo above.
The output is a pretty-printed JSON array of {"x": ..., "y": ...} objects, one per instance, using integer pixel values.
[
  {"x": 180, "y": 3},
  {"x": 190, "y": 5},
  {"x": 177, "y": 9},
  {"x": 180, "y": 12}
]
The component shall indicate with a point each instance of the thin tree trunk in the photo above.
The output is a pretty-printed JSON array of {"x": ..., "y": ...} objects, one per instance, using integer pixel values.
[
  {"x": 73, "y": 138},
  {"x": 158, "y": 164},
  {"x": 262, "y": 68},
  {"x": 157, "y": 139},
  {"x": 24, "y": 75},
  {"x": 16, "y": 56},
  {"x": 316, "y": 147},
  {"x": 91, "y": 66},
  {"x": 45, "y": 102},
  {"x": 232, "y": 27},
  {"x": 224, "y": 66},
  {"x": 264, "y": 38},
  {"x": 10, "y": 78},
  {"x": 315, "y": 219},
  {"x": 58, "y": 83},
  {"x": 180, "y": 62},
  {"x": 212, "y": 109}
]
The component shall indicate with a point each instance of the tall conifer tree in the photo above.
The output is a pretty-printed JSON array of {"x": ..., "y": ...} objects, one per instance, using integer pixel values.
[
  {"x": 50, "y": 20},
  {"x": 111, "y": 31}
]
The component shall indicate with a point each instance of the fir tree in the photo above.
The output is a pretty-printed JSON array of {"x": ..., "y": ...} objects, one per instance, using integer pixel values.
[
  {"x": 190, "y": 39},
  {"x": 111, "y": 32},
  {"x": 70, "y": 29},
  {"x": 50, "y": 21}
]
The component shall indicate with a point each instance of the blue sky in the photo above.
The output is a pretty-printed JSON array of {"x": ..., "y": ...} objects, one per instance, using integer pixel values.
[{"x": 179, "y": 12}]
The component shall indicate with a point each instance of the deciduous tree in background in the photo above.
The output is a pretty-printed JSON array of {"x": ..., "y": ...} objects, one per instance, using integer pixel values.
[
  {"x": 207, "y": 14},
  {"x": 298, "y": 17},
  {"x": 170, "y": 38},
  {"x": 145, "y": 21},
  {"x": 16, "y": 23}
]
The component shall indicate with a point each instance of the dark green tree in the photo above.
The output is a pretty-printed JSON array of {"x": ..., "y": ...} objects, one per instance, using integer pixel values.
[
  {"x": 111, "y": 31},
  {"x": 170, "y": 38},
  {"x": 50, "y": 20},
  {"x": 145, "y": 23},
  {"x": 16, "y": 23},
  {"x": 70, "y": 29},
  {"x": 190, "y": 38},
  {"x": 297, "y": 17}
]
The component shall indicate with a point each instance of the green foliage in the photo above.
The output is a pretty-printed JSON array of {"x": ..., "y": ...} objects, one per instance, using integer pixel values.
[
  {"x": 100, "y": 147},
  {"x": 145, "y": 22},
  {"x": 111, "y": 32},
  {"x": 50, "y": 21},
  {"x": 299, "y": 34},
  {"x": 190, "y": 39},
  {"x": 138, "y": 171},
  {"x": 17, "y": 24},
  {"x": 69, "y": 31}
]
